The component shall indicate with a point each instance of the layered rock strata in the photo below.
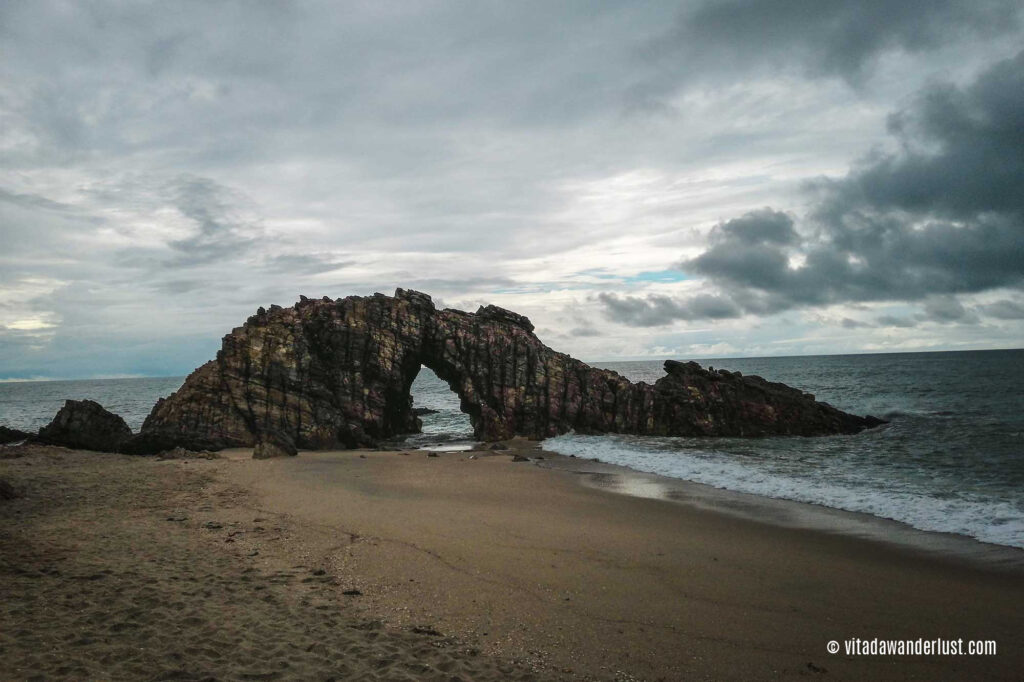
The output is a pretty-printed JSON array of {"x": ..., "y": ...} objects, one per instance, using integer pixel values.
[{"x": 336, "y": 374}]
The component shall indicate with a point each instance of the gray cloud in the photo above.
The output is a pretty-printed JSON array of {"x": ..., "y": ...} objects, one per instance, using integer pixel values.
[
  {"x": 179, "y": 286},
  {"x": 943, "y": 215},
  {"x": 219, "y": 232},
  {"x": 827, "y": 37},
  {"x": 1004, "y": 310},
  {"x": 32, "y": 201},
  {"x": 305, "y": 263},
  {"x": 221, "y": 225},
  {"x": 947, "y": 310},
  {"x": 655, "y": 310},
  {"x": 164, "y": 175},
  {"x": 893, "y": 321}
]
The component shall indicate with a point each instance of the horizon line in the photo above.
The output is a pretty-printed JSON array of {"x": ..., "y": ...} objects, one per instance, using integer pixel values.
[{"x": 116, "y": 377}]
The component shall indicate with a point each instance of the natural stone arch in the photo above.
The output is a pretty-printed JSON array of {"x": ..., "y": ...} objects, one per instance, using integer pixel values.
[{"x": 337, "y": 373}]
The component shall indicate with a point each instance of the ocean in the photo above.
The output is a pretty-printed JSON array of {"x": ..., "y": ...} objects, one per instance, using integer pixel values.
[{"x": 950, "y": 460}]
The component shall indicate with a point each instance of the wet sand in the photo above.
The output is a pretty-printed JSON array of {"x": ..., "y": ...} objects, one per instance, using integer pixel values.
[{"x": 469, "y": 564}]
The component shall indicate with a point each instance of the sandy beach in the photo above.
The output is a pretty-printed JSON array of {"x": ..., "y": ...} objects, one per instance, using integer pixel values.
[{"x": 398, "y": 565}]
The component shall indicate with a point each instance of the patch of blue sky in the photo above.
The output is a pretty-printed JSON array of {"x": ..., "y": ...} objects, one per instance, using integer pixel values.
[
  {"x": 661, "y": 276},
  {"x": 524, "y": 289}
]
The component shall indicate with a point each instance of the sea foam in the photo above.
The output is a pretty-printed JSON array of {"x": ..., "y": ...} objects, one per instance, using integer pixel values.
[{"x": 842, "y": 486}]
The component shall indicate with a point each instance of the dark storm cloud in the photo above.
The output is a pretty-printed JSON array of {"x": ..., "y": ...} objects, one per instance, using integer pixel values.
[
  {"x": 943, "y": 215},
  {"x": 749, "y": 251},
  {"x": 827, "y": 37},
  {"x": 963, "y": 153}
]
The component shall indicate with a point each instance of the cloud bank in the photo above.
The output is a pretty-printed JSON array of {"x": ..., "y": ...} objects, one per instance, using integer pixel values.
[
  {"x": 941, "y": 215},
  {"x": 602, "y": 167}
]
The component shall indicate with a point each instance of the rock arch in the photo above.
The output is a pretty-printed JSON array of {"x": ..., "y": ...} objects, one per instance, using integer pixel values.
[{"x": 337, "y": 374}]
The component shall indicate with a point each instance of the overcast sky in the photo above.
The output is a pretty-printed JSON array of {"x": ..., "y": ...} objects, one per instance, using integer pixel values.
[{"x": 642, "y": 179}]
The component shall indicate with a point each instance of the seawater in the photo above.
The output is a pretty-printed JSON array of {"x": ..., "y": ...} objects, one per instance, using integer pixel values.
[
  {"x": 950, "y": 460},
  {"x": 30, "y": 405}
]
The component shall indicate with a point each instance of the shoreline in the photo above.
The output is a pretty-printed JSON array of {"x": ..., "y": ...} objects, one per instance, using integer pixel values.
[
  {"x": 491, "y": 568},
  {"x": 520, "y": 559},
  {"x": 787, "y": 513}
]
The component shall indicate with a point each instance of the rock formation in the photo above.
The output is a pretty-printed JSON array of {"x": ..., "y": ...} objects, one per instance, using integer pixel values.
[
  {"x": 8, "y": 435},
  {"x": 692, "y": 401},
  {"x": 336, "y": 374},
  {"x": 85, "y": 424}
]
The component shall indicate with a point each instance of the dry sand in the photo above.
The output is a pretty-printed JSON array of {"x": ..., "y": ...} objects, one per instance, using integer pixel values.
[
  {"x": 461, "y": 566},
  {"x": 121, "y": 568}
]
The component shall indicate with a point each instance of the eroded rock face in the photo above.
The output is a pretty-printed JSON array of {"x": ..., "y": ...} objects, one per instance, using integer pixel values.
[
  {"x": 336, "y": 374},
  {"x": 87, "y": 425}
]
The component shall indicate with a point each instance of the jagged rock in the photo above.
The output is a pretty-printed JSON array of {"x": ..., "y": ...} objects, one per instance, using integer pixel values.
[
  {"x": 336, "y": 374},
  {"x": 87, "y": 425},
  {"x": 693, "y": 401},
  {"x": 420, "y": 411},
  {"x": 274, "y": 444},
  {"x": 8, "y": 435},
  {"x": 493, "y": 312}
]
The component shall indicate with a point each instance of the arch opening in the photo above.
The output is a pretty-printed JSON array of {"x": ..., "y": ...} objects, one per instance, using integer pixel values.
[{"x": 444, "y": 424}]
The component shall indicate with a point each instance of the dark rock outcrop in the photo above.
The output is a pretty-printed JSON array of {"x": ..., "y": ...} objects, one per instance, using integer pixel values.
[
  {"x": 8, "y": 435},
  {"x": 336, "y": 374},
  {"x": 693, "y": 401},
  {"x": 85, "y": 424}
]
